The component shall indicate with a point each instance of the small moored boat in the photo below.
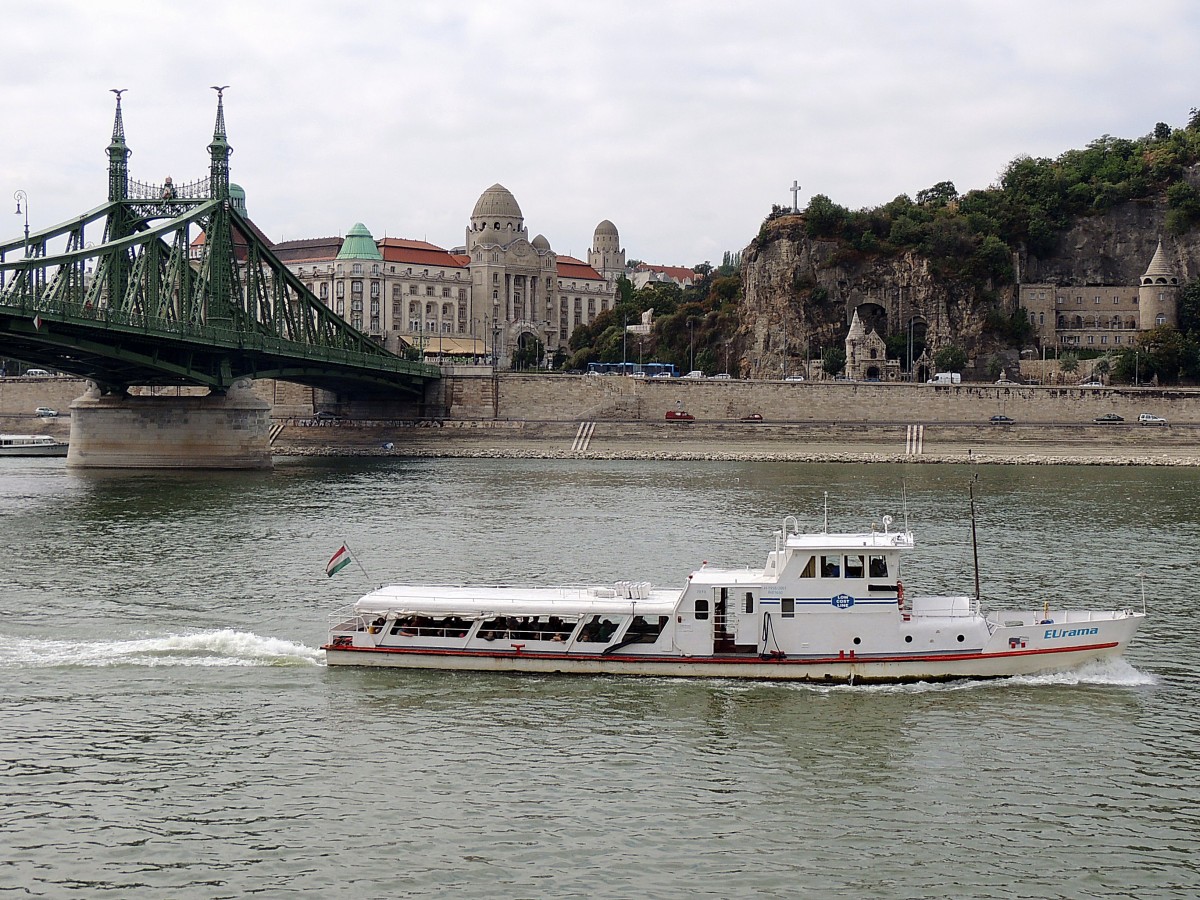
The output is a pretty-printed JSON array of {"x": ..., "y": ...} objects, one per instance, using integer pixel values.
[
  {"x": 824, "y": 607},
  {"x": 31, "y": 445}
]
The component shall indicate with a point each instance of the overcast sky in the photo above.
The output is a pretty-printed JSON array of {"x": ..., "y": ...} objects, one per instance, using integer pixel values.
[{"x": 682, "y": 122}]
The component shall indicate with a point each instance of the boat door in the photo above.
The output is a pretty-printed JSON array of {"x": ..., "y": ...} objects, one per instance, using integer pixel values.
[{"x": 694, "y": 623}]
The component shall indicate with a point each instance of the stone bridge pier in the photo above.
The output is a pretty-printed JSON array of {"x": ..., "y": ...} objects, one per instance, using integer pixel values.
[{"x": 217, "y": 431}]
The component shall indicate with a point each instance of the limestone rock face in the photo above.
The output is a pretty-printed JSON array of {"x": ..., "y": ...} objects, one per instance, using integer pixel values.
[{"x": 800, "y": 294}]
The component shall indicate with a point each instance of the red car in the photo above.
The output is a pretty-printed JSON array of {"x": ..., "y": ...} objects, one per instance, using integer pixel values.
[{"x": 678, "y": 415}]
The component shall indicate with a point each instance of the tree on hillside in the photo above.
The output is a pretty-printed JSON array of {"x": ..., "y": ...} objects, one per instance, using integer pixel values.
[
  {"x": 833, "y": 360},
  {"x": 950, "y": 359}
]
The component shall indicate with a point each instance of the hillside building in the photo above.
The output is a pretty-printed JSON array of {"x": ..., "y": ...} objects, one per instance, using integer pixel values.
[{"x": 1103, "y": 318}]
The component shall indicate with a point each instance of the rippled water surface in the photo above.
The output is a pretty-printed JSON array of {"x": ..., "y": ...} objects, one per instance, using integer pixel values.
[{"x": 168, "y": 727}]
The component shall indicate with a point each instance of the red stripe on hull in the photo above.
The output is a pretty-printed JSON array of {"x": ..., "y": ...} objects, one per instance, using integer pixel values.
[{"x": 724, "y": 660}]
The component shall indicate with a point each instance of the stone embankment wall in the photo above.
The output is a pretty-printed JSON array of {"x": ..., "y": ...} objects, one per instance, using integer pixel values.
[{"x": 585, "y": 398}]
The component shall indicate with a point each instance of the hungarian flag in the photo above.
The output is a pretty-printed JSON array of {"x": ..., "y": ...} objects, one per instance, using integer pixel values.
[{"x": 338, "y": 561}]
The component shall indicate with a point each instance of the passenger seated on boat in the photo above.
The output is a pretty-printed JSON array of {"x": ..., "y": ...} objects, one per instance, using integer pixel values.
[
  {"x": 830, "y": 567},
  {"x": 878, "y": 567},
  {"x": 854, "y": 566},
  {"x": 377, "y": 625}
]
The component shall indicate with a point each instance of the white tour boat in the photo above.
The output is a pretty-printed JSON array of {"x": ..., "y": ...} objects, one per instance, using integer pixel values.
[
  {"x": 31, "y": 445},
  {"x": 825, "y": 607}
]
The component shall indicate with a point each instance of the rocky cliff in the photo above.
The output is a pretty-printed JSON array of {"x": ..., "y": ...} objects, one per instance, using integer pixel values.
[{"x": 800, "y": 293}]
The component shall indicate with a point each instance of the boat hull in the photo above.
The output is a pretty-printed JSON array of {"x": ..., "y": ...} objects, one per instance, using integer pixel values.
[{"x": 845, "y": 669}]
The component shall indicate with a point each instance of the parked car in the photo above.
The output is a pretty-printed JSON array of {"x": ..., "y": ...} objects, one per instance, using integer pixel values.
[
  {"x": 678, "y": 415},
  {"x": 753, "y": 417},
  {"x": 45, "y": 412},
  {"x": 1151, "y": 419},
  {"x": 37, "y": 373},
  {"x": 1000, "y": 420},
  {"x": 1092, "y": 384},
  {"x": 794, "y": 378},
  {"x": 722, "y": 376},
  {"x": 1109, "y": 419}
]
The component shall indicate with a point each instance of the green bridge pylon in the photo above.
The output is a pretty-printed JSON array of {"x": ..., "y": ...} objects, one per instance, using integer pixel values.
[{"x": 180, "y": 289}]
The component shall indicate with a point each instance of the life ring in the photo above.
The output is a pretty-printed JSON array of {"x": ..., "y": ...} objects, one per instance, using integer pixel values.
[{"x": 899, "y": 594}]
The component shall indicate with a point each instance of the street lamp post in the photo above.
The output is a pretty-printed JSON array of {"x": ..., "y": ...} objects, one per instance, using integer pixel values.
[
  {"x": 691, "y": 348},
  {"x": 22, "y": 197},
  {"x": 495, "y": 334}
]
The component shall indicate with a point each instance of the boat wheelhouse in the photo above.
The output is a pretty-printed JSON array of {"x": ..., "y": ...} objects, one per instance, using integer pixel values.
[{"x": 824, "y": 607}]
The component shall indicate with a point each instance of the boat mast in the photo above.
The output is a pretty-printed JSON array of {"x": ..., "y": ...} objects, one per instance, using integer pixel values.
[{"x": 974, "y": 540}]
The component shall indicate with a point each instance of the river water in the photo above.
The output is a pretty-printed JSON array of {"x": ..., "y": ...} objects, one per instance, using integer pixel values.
[{"x": 168, "y": 728}]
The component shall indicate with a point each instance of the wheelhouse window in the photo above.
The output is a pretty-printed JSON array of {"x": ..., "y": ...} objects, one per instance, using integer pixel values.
[
  {"x": 877, "y": 566},
  {"x": 701, "y": 610},
  {"x": 831, "y": 567},
  {"x": 810, "y": 568},
  {"x": 855, "y": 566}
]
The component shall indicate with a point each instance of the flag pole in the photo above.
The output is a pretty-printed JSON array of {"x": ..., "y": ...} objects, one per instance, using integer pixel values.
[{"x": 357, "y": 561}]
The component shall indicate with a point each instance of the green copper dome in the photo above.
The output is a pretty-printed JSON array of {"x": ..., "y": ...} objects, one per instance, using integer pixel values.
[{"x": 359, "y": 244}]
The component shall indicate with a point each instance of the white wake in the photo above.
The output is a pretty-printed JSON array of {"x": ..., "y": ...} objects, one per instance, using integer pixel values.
[{"x": 225, "y": 647}]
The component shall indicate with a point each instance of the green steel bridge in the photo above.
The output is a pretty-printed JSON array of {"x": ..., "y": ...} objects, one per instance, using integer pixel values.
[{"x": 179, "y": 289}]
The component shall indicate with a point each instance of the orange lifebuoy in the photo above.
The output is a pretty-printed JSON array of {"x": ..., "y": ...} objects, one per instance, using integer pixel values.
[{"x": 899, "y": 594}]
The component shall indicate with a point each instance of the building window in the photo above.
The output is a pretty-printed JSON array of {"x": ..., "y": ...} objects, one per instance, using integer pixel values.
[
  {"x": 1097, "y": 301},
  {"x": 324, "y": 290},
  {"x": 374, "y": 288},
  {"x": 356, "y": 305},
  {"x": 341, "y": 289},
  {"x": 356, "y": 320},
  {"x": 1104, "y": 338},
  {"x": 341, "y": 308},
  {"x": 462, "y": 293},
  {"x": 397, "y": 310},
  {"x": 356, "y": 269},
  {"x": 445, "y": 292},
  {"x": 356, "y": 287},
  {"x": 429, "y": 290},
  {"x": 1160, "y": 319}
]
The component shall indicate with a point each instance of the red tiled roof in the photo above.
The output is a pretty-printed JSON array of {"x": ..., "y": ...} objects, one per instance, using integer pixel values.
[
  {"x": 570, "y": 267},
  {"x": 679, "y": 273},
  {"x": 420, "y": 253},
  {"x": 315, "y": 249}
]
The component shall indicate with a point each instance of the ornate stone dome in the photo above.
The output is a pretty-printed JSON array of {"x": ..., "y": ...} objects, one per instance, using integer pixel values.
[
  {"x": 606, "y": 229},
  {"x": 540, "y": 243},
  {"x": 496, "y": 202}
]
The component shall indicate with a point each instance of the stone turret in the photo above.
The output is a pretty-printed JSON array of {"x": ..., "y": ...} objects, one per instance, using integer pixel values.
[{"x": 1158, "y": 293}]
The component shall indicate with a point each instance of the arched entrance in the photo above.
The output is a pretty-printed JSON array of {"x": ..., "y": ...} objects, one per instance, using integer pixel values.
[
  {"x": 916, "y": 335},
  {"x": 528, "y": 352}
]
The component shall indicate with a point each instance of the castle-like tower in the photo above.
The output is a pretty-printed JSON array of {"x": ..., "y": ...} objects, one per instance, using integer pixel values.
[
  {"x": 1158, "y": 293},
  {"x": 606, "y": 255}
]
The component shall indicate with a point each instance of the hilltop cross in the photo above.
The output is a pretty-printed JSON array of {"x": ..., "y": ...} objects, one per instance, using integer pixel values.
[{"x": 795, "y": 196}]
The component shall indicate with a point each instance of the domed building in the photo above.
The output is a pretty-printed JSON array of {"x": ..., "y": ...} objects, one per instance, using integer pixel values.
[{"x": 499, "y": 297}]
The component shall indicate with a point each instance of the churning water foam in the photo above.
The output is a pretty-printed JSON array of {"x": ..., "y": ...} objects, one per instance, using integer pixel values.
[{"x": 225, "y": 647}]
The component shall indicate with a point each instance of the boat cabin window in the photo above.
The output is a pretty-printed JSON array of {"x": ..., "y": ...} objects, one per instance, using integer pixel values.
[
  {"x": 643, "y": 630},
  {"x": 831, "y": 567},
  {"x": 430, "y": 626},
  {"x": 599, "y": 629},
  {"x": 810, "y": 568},
  {"x": 787, "y": 607},
  {"x": 749, "y": 607},
  {"x": 528, "y": 628},
  {"x": 877, "y": 566},
  {"x": 855, "y": 566},
  {"x": 701, "y": 610}
]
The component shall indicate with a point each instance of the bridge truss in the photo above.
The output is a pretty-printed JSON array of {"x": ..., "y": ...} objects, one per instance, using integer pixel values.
[{"x": 180, "y": 289}]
